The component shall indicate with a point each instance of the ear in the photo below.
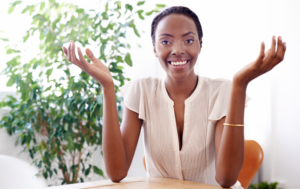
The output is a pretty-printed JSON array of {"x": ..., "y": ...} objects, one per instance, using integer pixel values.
[
  {"x": 154, "y": 49},
  {"x": 199, "y": 47}
]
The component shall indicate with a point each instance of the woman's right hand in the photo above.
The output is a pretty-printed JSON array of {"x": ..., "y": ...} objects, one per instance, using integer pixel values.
[{"x": 97, "y": 69}]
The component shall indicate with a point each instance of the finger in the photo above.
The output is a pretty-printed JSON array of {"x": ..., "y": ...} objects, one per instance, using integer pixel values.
[
  {"x": 65, "y": 50},
  {"x": 279, "y": 53},
  {"x": 281, "y": 56},
  {"x": 83, "y": 63},
  {"x": 260, "y": 57},
  {"x": 273, "y": 48},
  {"x": 262, "y": 52},
  {"x": 73, "y": 54},
  {"x": 90, "y": 55},
  {"x": 69, "y": 52},
  {"x": 270, "y": 55},
  {"x": 284, "y": 49},
  {"x": 92, "y": 72}
]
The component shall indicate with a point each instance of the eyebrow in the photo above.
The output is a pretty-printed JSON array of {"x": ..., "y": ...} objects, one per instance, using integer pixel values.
[{"x": 166, "y": 34}]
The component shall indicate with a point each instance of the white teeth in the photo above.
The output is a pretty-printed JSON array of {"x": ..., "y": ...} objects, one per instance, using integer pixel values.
[{"x": 178, "y": 63}]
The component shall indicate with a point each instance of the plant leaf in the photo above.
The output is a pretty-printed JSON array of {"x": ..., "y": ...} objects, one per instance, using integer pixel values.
[
  {"x": 128, "y": 59},
  {"x": 97, "y": 171},
  {"x": 140, "y": 14},
  {"x": 140, "y": 3},
  {"x": 129, "y": 7},
  {"x": 42, "y": 6},
  {"x": 160, "y": 5},
  {"x": 49, "y": 72},
  {"x": 70, "y": 144},
  {"x": 12, "y": 7},
  {"x": 3, "y": 39},
  {"x": 11, "y": 82}
]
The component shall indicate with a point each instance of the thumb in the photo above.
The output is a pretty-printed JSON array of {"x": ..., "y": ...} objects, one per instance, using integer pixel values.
[{"x": 90, "y": 55}]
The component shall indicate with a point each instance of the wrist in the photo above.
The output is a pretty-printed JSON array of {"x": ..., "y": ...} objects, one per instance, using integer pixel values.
[
  {"x": 242, "y": 85},
  {"x": 238, "y": 88},
  {"x": 109, "y": 88}
]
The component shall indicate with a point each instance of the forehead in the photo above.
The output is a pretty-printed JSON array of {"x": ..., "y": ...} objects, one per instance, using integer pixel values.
[{"x": 176, "y": 24}]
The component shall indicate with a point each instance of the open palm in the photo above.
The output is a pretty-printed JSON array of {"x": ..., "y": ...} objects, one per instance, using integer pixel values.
[
  {"x": 264, "y": 63},
  {"x": 97, "y": 69}
]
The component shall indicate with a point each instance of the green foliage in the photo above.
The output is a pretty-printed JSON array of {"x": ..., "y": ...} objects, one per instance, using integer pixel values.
[
  {"x": 264, "y": 185},
  {"x": 57, "y": 117}
]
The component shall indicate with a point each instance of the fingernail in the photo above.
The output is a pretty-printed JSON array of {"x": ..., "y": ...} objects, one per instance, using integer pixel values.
[{"x": 279, "y": 38}]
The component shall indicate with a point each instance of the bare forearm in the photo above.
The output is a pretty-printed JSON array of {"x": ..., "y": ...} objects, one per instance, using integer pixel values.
[
  {"x": 113, "y": 146},
  {"x": 231, "y": 152},
  {"x": 230, "y": 156}
]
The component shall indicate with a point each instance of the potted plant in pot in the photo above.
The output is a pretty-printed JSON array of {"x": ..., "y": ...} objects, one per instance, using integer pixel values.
[{"x": 58, "y": 116}]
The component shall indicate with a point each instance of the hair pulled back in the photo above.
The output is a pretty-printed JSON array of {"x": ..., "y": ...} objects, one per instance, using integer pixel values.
[{"x": 176, "y": 10}]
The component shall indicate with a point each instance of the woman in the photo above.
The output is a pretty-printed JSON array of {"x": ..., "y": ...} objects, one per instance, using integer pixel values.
[{"x": 193, "y": 125}]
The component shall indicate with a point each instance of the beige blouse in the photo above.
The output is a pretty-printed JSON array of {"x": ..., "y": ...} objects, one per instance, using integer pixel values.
[{"x": 196, "y": 160}]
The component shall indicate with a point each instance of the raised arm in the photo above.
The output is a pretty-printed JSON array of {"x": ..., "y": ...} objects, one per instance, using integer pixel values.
[
  {"x": 229, "y": 140},
  {"x": 118, "y": 144}
]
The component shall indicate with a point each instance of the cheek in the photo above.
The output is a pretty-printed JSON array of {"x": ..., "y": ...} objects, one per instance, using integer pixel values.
[
  {"x": 162, "y": 53},
  {"x": 194, "y": 51}
]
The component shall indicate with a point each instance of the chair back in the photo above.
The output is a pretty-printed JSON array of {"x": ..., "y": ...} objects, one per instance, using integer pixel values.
[
  {"x": 254, "y": 156},
  {"x": 16, "y": 173}
]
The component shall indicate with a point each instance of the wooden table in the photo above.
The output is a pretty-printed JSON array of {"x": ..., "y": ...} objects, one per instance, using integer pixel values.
[{"x": 139, "y": 183}]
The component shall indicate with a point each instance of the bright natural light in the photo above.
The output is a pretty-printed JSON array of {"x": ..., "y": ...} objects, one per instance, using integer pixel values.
[{"x": 232, "y": 33}]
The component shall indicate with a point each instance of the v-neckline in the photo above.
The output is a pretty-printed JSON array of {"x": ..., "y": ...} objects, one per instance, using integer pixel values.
[
  {"x": 188, "y": 100},
  {"x": 186, "y": 112}
]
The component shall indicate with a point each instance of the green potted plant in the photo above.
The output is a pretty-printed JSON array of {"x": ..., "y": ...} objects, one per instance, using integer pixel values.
[
  {"x": 264, "y": 185},
  {"x": 58, "y": 119}
]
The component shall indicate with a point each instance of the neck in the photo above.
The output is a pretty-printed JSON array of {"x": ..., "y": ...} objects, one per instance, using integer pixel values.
[{"x": 181, "y": 89}]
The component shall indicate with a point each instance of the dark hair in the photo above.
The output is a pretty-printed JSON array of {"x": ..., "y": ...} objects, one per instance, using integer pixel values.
[{"x": 176, "y": 10}]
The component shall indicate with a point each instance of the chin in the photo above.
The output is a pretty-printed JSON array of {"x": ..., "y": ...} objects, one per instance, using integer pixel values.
[{"x": 179, "y": 76}]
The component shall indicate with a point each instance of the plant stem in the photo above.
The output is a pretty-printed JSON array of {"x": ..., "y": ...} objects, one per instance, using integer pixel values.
[
  {"x": 65, "y": 174},
  {"x": 78, "y": 168}
]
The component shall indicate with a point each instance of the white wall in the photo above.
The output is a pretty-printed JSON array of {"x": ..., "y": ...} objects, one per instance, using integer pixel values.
[{"x": 233, "y": 31}]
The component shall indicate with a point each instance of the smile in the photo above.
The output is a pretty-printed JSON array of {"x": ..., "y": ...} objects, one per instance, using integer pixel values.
[{"x": 178, "y": 63}]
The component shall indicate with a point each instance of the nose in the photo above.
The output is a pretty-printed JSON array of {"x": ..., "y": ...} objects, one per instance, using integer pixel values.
[{"x": 178, "y": 49}]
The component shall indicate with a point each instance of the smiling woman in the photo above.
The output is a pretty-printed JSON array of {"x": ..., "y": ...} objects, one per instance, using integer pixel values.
[
  {"x": 177, "y": 41},
  {"x": 193, "y": 125}
]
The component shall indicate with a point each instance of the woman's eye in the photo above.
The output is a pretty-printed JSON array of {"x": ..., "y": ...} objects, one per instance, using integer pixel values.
[
  {"x": 190, "y": 40},
  {"x": 165, "y": 42}
]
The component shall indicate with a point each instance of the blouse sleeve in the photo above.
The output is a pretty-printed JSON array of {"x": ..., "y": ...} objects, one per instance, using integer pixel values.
[
  {"x": 134, "y": 97},
  {"x": 220, "y": 98}
]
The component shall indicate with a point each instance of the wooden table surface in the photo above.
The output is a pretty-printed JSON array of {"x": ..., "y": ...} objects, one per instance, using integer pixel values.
[{"x": 139, "y": 183}]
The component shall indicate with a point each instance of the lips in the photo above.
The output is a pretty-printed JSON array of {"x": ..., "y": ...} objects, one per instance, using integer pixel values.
[
  {"x": 177, "y": 60},
  {"x": 178, "y": 64}
]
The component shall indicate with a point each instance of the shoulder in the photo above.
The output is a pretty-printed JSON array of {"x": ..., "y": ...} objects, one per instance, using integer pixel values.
[
  {"x": 148, "y": 82},
  {"x": 140, "y": 85},
  {"x": 215, "y": 85}
]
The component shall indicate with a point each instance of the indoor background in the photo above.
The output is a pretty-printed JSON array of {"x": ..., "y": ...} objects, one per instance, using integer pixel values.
[{"x": 232, "y": 33}]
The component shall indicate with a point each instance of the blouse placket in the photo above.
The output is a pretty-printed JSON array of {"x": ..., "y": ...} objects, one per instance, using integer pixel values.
[{"x": 186, "y": 123}]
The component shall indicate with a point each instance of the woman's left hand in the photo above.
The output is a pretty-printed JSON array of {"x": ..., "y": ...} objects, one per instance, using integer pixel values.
[{"x": 264, "y": 63}]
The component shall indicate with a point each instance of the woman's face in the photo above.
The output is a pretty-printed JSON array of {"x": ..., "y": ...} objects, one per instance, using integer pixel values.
[{"x": 177, "y": 45}]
